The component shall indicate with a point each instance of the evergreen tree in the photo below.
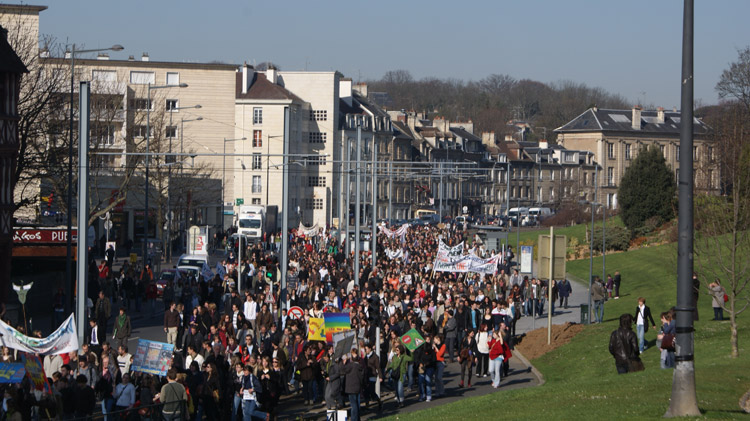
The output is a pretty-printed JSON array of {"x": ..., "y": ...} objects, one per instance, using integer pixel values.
[{"x": 647, "y": 190}]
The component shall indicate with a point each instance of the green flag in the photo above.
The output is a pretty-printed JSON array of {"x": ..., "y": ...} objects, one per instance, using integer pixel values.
[{"x": 412, "y": 340}]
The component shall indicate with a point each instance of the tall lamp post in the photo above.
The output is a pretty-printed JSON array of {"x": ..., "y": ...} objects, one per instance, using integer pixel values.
[
  {"x": 224, "y": 176},
  {"x": 69, "y": 233},
  {"x": 148, "y": 149}
]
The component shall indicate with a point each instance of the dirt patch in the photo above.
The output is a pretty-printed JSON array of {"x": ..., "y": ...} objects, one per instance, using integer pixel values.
[{"x": 534, "y": 344}]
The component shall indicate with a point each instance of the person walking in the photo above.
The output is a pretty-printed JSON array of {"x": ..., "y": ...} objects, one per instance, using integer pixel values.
[
  {"x": 173, "y": 397},
  {"x": 124, "y": 394},
  {"x": 450, "y": 331},
  {"x": 617, "y": 281},
  {"x": 251, "y": 389},
  {"x": 467, "y": 357},
  {"x": 623, "y": 344},
  {"x": 642, "y": 315},
  {"x": 373, "y": 375},
  {"x": 497, "y": 356},
  {"x": 598, "y": 293},
  {"x": 717, "y": 293},
  {"x": 122, "y": 328},
  {"x": 398, "y": 368},
  {"x": 483, "y": 350},
  {"x": 353, "y": 376},
  {"x": 439, "y": 347},
  {"x": 102, "y": 313},
  {"x": 424, "y": 359},
  {"x": 171, "y": 323},
  {"x": 564, "y": 289}
]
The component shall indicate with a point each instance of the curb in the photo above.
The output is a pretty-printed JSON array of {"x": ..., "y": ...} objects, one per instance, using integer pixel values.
[{"x": 534, "y": 371}]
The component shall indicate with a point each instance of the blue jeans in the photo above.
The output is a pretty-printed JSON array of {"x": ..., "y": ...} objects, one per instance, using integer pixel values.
[
  {"x": 599, "y": 311},
  {"x": 496, "y": 371},
  {"x": 439, "y": 387},
  {"x": 250, "y": 410},
  {"x": 236, "y": 404},
  {"x": 641, "y": 337},
  {"x": 425, "y": 384},
  {"x": 400, "y": 391},
  {"x": 354, "y": 403},
  {"x": 410, "y": 375},
  {"x": 108, "y": 405}
]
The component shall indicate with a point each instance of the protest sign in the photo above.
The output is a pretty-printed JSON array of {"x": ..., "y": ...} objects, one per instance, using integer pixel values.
[
  {"x": 316, "y": 329},
  {"x": 152, "y": 357},
  {"x": 335, "y": 322},
  {"x": 12, "y": 372},
  {"x": 412, "y": 340},
  {"x": 35, "y": 371},
  {"x": 343, "y": 343},
  {"x": 61, "y": 341}
]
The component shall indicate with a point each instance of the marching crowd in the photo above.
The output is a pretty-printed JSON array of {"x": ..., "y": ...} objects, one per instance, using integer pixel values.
[{"x": 236, "y": 354}]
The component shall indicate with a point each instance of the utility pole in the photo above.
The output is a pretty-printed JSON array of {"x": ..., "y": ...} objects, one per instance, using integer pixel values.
[
  {"x": 284, "y": 258},
  {"x": 374, "y": 221},
  {"x": 84, "y": 96},
  {"x": 357, "y": 203},
  {"x": 684, "y": 401},
  {"x": 348, "y": 192},
  {"x": 591, "y": 236}
]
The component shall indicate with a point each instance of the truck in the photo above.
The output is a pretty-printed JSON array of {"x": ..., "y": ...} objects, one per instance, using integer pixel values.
[{"x": 255, "y": 220}]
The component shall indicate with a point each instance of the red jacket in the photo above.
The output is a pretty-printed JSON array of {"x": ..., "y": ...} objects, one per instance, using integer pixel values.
[{"x": 496, "y": 349}]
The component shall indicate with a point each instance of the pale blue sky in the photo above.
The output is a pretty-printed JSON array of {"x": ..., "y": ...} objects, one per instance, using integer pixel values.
[{"x": 626, "y": 47}]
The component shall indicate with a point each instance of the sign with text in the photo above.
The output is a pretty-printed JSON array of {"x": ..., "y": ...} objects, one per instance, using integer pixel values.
[
  {"x": 12, "y": 372},
  {"x": 527, "y": 258},
  {"x": 558, "y": 260},
  {"x": 152, "y": 357},
  {"x": 42, "y": 236}
]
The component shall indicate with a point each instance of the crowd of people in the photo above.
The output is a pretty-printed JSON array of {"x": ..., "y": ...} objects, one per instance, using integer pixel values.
[{"x": 237, "y": 354}]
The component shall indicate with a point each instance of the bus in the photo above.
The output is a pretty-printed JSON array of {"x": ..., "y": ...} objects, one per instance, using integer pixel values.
[{"x": 419, "y": 213}]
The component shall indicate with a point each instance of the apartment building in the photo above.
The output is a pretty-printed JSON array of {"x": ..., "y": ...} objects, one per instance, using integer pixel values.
[{"x": 615, "y": 137}]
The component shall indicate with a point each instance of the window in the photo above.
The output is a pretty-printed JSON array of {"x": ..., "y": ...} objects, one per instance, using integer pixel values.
[
  {"x": 257, "y": 115},
  {"x": 316, "y": 181},
  {"x": 104, "y": 134},
  {"x": 257, "y": 138},
  {"x": 139, "y": 131},
  {"x": 677, "y": 152},
  {"x": 173, "y": 78},
  {"x": 255, "y": 201},
  {"x": 108, "y": 76},
  {"x": 141, "y": 78},
  {"x": 610, "y": 150},
  {"x": 710, "y": 153},
  {"x": 316, "y": 137},
  {"x": 171, "y": 132},
  {"x": 695, "y": 153},
  {"x": 552, "y": 175},
  {"x": 627, "y": 152},
  {"x": 710, "y": 179},
  {"x": 677, "y": 176},
  {"x": 661, "y": 148},
  {"x": 585, "y": 178},
  {"x": 140, "y": 104},
  {"x": 318, "y": 115},
  {"x": 539, "y": 195},
  {"x": 551, "y": 193},
  {"x": 314, "y": 204},
  {"x": 256, "y": 184},
  {"x": 257, "y": 163},
  {"x": 315, "y": 160},
  {"x": 541, "y": 175},
  {"x": 172, "y": 105},
  {"x": 610, "y": 176}
]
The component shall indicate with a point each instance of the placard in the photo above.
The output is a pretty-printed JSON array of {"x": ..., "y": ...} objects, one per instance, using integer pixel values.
[
  {"x": 152, "y": 357},
  {"x": 316, "y": 329},
  {"x": 336, "y": 322},
  {"x": 12, "y": 372},
  {"x": 527, "y": 253}
]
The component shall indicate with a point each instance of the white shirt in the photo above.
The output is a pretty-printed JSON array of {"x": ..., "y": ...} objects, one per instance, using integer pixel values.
[
  {"x": 641, "y": 309},
  {"x": 198, "y": 359},
  {"x": 124, "y": 362},
  {"x": 251, "y": 310}
]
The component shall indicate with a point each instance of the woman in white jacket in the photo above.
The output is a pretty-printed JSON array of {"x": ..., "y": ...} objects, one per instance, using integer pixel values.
[{"x": 483, "y": 359}]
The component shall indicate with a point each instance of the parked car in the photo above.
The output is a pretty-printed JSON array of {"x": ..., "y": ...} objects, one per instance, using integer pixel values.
[{"x": 168, "y": 275}]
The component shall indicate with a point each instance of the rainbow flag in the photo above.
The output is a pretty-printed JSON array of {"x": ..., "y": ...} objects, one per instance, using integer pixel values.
[{"x": 335, "y": 322}]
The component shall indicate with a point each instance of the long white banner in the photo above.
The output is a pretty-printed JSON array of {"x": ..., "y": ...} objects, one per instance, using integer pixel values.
[
  {"x": 61, "y": 341},
  {"x": 452, "y": 259}
]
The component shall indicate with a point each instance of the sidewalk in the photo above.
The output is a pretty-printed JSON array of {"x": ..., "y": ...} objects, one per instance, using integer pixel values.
[{"x": 580, "y": 295}]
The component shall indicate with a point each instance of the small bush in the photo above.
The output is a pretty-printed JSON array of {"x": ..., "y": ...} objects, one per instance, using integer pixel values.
[{"x": 617, "y": 238}]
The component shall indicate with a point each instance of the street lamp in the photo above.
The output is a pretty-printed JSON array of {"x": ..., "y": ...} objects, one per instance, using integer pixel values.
[
  {"x": 69, "y": 234},
  {"x": 224, "y": 176},
  {"x": 148, "y": 149}
]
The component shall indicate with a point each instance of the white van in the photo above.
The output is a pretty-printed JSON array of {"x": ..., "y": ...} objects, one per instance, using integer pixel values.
[
  {"x": 192, "y": 263},
  {"x": 540, "y": 213},
  {"x": 517, "y": 214}
]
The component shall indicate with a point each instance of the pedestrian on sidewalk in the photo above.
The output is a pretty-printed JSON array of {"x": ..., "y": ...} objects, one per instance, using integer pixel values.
[
  {"x": 122, "y": 328},
  {"x": 598, "y": 294},
  {"x": 641, "y": 317},
  {"x": 564, "y": 289},
  {"x": 467, "y": 357},
  {"x": 172, "y": 323}
]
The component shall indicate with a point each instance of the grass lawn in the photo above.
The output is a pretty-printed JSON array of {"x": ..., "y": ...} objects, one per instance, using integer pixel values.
[
  {"x": 581, "y": 381},
  {"x": 578, "y": 231}
]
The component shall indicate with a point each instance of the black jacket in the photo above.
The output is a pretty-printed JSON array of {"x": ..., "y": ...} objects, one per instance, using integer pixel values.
[
  {"x": 646, "y": 317},
  {"x": 353, "y": 373},
  {"x": 623, "y": 345},
  {"x": 425, "y": 355}
]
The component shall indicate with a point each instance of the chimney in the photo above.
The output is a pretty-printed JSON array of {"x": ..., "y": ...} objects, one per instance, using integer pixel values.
[
  {"x": 67, "y": 55},
  {"x": 44, "y": 53},
  {"x": 271, "y": 74},
  {"x": 489, "y": 139},
  {"x": 244, "y": 78},
  {"x": 345, "y": 90},
  {"x": 543, "y": 144},
  {"x": 660, "y": 115},
  {"x": 102, "y": 56},
  {"x": 131, "y": 58},
  {"x": 145, "y": 57},
  {"x": 674, "y": 109},
  {"x": 361, "y": 88},
  {"x": 636, "y": 122}
]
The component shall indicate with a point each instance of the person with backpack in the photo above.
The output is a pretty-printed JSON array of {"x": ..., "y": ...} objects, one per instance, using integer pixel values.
[{"x": 398, "y": 368}]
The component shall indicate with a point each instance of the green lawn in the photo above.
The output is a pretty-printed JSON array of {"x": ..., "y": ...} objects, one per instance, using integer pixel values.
[
  {"x": 581, "y": 381},
  {"x": 577, "y": 231}
]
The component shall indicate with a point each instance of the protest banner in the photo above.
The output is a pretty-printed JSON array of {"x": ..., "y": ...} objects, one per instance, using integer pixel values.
[
  {"x": 61, "y": 341},
  {"x": 335, "y": 322},
  {"x": 152, "y": 357},
  {"x": 412, "y": 340},
  {"x": 316, "y": 329},
  {"x": 35, "y": 371},
  {"x": 343, "y": 343},
  {"x": 12, "y": 372},
  {"x": 394, "y": 254}
]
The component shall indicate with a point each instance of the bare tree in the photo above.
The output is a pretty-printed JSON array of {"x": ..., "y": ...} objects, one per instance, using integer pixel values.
[
  {"x": 734, "y": 82},
  {"x": 722, "y": 223}
]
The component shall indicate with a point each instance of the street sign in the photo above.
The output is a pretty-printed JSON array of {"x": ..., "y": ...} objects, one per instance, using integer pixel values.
[
  {"x": 108, "y": 224},
  {"x": 239, "y": 201},
  {"x": 296, "y": 313},
  {"x": 543, "y": 261},
  {"x": 527, "y": 253}
]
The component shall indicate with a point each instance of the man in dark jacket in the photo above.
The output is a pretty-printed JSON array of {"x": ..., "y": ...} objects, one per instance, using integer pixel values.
[
  {"x": 373, "y": 374},
  {"x": 193, "y": 338},
  {"x": 425, "y": 361},
  {"x": 353, "y": 376},
  {"x": 623, "y": 344}
]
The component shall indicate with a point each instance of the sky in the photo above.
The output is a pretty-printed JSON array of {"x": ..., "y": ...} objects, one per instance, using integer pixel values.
[{"x": 631, "y": 48}]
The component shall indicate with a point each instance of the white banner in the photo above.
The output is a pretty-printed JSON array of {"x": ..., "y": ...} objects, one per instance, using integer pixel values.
[
  {"x": 303, "y": 231},
  {"x": 452, "y": 259},
  {"x": 398, "y": 232},
  {"x": 394, "y": 254},
  {"x": 61, "y": 341},
  {"x": 450, "y": 253}
]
